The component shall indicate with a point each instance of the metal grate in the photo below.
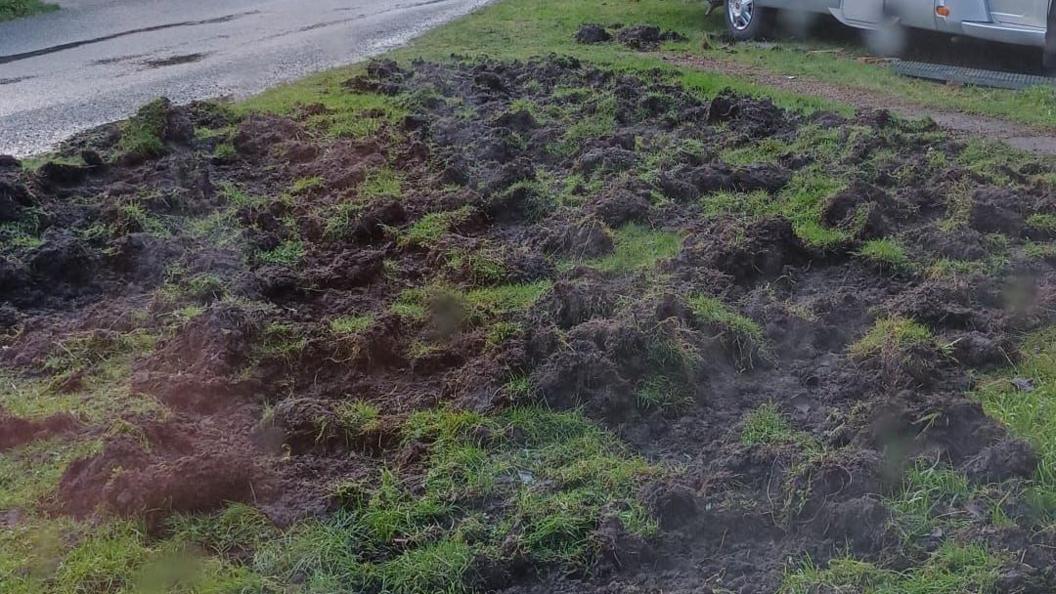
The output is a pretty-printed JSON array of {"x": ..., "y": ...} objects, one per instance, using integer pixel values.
[{"x": 971, "y": 76}]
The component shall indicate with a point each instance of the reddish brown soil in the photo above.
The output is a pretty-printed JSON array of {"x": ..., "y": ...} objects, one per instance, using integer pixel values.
[{"x": 585, "y": 344}]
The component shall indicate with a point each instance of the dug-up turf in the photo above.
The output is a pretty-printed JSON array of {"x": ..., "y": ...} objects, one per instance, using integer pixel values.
[{"x": 768, "y": 319}]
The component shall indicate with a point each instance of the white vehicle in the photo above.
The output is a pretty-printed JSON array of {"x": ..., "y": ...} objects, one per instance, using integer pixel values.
[{"x": 1020, "y": 22}]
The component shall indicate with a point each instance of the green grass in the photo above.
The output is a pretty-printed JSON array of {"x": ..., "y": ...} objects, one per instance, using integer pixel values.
[
  {"x": 288, "y": 253},
  {"x": 14, "y": 9},
  {"x": 663, "y": 393},
  {"x": 557, "y": 474},
  {"x": 432, "y": 227},
  {"x": 766, "y": 425},
  {"x": 886, "y": 253},
  {"x": 928, "y": 499},
  {"x": 892, "y": 335},
  {"x": 345, "y": 326},
  {"x": 744, "y": 333},
  {"x": 305, "y": 184},
  {"x": 636, "y": 248},
  {"x": 30, "y": 473},
  {"x": 1042, "y": 222},
  {"x": 346, "y": 115},
  {"x": 506, "y": 299},
  {"x": 476, "y": 306},
  {"x": 1031, "y": 415},
  {"x": 381, "y": 183},
  {"x": 952, "y": 569},
  {"x": 141, "y": 135}
]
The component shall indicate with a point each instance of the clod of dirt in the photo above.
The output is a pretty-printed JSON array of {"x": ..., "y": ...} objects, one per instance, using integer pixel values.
[
  {"x": 646, "y": 37},
  {"x": 940, "y": 304},
  {"x": 607, "y": 160},
  {"x": 1008, "y": 458},
  {"x": 383, "y": 76},
  {"x": 860, "y": 208},
  {"x": 305, "y": 424},
  {"x": 15, "y": 431},
  {"x": 623, "y": 206},
  {"x": 588, "y": 238},
  {"x": 61, "y": 174},
  {"x": 591, "y": 33},
  {"x": 760, "y": 251},
  {"x": 141, "y": 257},
  {"x": 14, "y": 196},
  {"x": 980, "y": 351},
  {"x": 994, "y": 211},
  {"x": 957, "y": 430},
  {"x": 62, "y": 258}
]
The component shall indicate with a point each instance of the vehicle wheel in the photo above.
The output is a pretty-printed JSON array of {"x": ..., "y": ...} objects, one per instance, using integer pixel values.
[
  {"x": 746, "y": 21},
  {"x": 889, "y": 40}
]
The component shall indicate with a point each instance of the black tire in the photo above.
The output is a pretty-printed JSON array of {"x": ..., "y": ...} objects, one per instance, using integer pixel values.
[
  {"x": 746, "y": 26},
  {"x": 1048, "y": 56}
]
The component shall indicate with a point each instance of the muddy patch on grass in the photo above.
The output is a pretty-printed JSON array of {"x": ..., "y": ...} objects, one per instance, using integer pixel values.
[{"x": 720, "y": 333}]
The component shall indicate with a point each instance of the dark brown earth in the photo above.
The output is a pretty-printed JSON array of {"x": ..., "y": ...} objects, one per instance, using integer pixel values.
[{"x": 249, "y": 417}]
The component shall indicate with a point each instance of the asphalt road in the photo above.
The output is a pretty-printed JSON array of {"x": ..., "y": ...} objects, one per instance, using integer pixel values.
[{"x": 96, "y": 61}]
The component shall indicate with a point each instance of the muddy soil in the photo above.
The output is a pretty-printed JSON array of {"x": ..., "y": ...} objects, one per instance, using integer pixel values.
[{"x": 253, "y": 378}]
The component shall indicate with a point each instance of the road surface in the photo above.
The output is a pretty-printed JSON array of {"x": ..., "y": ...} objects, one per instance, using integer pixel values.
[{"x": 96, "y": 61}]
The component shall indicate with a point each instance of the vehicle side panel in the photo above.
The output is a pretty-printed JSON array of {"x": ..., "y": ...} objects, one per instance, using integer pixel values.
[
  {"x": 821, "y": 6},
  {"x": 1020, "y": 22}
]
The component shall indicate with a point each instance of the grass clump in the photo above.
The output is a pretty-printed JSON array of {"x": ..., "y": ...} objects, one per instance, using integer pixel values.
[
  {"x": 744, "y": 333},
  {"x": 357, "y": 416},
  {"x": 596, "y": 119},
  {"x": 430, "y": 228},
  {"x": 305, "y": 184},
  {"x": 952, "y": 569},
  {"x": 929, "y": 499},
  {"x": 886, "y": 253},
  {"x": 235, "y": 530},
  {"x": 890, "y": 336},
  {"x": 86, "y": 351},
  {"x": 1042, "y": 222},
  {"x": 660, "y": 392},
  {"x": 282, "y": 341},
  {"x": 345, "y": 326},
  {"x": 507, "y": 299},
  {"x": 143, "y": 134},
  {"x": 482, "y": 267},
  {"x": 381, "y": 183},
  {"x": 766, "y": 425},
  {"x": 288, "y": 253}
]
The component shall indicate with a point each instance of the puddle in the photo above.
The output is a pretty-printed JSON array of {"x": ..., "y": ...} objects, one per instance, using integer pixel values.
[{"x": 175, "y": 60}]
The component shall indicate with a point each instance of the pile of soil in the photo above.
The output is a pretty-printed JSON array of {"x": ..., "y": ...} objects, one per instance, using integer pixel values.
[
  {"x": 638, "y": 37},
  {"x": 254, "y": 378}
]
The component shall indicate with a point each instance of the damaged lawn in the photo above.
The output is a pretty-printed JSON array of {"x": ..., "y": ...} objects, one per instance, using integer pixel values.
[{"x": 483, "y": 325}]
